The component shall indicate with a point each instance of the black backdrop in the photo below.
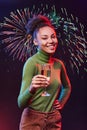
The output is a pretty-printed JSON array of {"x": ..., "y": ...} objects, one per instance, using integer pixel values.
[{"x": 74, "y": 113}]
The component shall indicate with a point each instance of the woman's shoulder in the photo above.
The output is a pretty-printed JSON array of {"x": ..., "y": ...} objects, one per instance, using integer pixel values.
[
  {"x": 57, "y": 61},
  {"x": 30, "y": 61}
]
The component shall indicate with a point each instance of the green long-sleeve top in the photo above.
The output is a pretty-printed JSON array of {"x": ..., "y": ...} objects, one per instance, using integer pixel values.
[{"x": 59, "y": 87}]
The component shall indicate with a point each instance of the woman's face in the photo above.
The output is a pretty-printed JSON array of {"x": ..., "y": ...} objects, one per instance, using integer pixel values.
[{"x": 46, "y": 39}]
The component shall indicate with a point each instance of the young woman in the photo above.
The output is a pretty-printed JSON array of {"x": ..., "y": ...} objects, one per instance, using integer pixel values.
[{"x": 41, "y": 96}]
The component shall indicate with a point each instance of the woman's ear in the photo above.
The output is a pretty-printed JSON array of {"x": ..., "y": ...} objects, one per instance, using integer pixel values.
[{"x": 35, "y": 42}]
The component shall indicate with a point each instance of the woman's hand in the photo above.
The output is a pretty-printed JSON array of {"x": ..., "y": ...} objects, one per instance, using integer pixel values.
[
  {"x": 57, "y": 105},
  {"x": 39, "y": 81}
]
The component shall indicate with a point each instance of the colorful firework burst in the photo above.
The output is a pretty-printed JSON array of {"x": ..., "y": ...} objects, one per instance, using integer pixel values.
[{"x": 71, "y": 35}]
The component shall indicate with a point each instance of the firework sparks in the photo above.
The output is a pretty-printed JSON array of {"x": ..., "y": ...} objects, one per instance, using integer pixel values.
[
  {"x": 72, "y": 40},
  {"x": 70, "y": 33}
]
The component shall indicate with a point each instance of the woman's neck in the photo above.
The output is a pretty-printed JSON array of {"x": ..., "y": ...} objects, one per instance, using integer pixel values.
[{"x": 44, "y": 56}]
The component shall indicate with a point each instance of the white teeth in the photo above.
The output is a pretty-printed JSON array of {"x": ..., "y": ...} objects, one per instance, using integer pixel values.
[{"x": 51, "y": 46}]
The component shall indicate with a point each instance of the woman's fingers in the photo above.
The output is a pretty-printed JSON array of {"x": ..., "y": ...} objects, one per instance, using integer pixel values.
[
  {"x": 40, "y": 81},
  {"x": 57, "y": 105},
  {"x": 41, "y": 77}
]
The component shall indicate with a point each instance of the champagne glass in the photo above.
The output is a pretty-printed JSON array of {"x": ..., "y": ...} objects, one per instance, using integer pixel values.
[{"x": 46, "y": 70}]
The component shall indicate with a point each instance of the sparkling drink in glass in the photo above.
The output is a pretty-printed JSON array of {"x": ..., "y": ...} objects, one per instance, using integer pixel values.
[{"x": 46, "y": 70}]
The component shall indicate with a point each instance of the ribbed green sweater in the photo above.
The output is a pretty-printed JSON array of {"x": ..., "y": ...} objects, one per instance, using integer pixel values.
[{"x": 59, "y": 87}]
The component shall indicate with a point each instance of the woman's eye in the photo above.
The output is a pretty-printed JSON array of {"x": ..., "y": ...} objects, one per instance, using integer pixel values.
[
  {"x": 53, "y": 36},
  {"x": 44, "y": 38}
]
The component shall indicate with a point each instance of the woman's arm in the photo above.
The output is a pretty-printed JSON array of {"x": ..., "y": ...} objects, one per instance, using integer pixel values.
[
  {"x": 31, "y": 81},
  {"x": 25, "y": 95},
  {"x": 66, "y": 86}
]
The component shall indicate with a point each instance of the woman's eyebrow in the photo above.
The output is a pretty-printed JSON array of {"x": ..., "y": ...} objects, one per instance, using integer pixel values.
[
  {"x": 47, "y": 35},
  {"x": 44, "y": 35}
]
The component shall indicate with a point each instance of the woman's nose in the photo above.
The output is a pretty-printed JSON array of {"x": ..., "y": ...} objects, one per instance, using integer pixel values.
[{"x": 50, "y": 40}]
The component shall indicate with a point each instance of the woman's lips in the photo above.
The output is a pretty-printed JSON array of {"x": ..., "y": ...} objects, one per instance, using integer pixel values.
[{"x": 52, "y": 47}]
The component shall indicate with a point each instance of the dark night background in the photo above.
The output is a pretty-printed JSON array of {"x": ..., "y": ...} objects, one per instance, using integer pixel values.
[{"x": 74, "y": 113}]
